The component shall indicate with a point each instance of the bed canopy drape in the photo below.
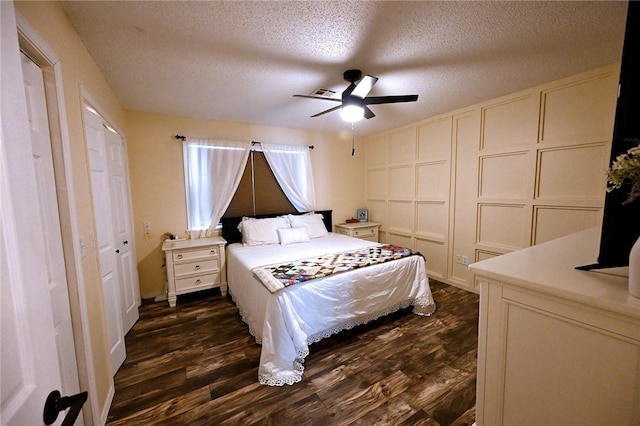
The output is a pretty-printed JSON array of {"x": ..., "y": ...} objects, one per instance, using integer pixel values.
[
  {"x": 214, "y": 168},
  {"x": 291, "y": 165}
]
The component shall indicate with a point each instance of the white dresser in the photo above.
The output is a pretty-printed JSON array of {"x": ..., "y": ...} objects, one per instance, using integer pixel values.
[
  {"x": 363, "y": 230},
  {"x": 194, "y": 265},
  {"x": 556, "y": 345}
]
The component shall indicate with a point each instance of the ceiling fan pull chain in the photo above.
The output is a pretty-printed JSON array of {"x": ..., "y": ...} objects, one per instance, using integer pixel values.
[{"x": 353, "y": 141}]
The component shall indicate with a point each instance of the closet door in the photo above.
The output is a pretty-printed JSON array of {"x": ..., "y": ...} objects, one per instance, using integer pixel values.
[
  {"x": 122, "y": 225},
  {"x": 105, "y": 241}
]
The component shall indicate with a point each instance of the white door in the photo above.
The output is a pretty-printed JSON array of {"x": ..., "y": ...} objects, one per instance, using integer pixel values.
[
  {"x": 29, "y": 369},
  {"x": 50, "y": 220},
  {"x": 121, "y": 219},
  {"x": 97, "y": 149}
]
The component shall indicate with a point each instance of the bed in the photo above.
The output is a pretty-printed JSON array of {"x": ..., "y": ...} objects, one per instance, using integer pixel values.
[{"x": 285, "y": 320}]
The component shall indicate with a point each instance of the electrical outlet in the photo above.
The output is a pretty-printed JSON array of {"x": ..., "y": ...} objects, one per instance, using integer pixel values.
[
  {"x": 147, "y": 227},
  {"x": 465, "y": 260}
]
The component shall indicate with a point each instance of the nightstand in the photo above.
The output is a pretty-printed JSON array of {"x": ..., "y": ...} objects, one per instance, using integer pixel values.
[
  {"x": 194, "y": 265},
  {"x": 363, "y": 230}
]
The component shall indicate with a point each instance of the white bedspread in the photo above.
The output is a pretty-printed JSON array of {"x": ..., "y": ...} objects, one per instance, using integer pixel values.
[{"x": 288, "y": 321}]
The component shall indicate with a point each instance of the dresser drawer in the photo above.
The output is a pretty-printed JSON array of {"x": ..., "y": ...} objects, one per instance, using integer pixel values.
[
  {"x": 198, "y": 281},
  {"x": 186, "y": 255},
  {"x": 189, "y": 268}
]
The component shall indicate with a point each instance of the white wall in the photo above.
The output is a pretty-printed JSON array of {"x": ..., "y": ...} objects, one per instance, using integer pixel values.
[{"x": 495, "y": 177}]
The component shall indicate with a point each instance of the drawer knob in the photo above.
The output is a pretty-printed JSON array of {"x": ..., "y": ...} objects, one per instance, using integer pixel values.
[
  {"x": 212, "y": 252},
  {"x": 198, "y": 282},
  {"x": 197, "y": 267},
  {"x": 179, "y": 256}
]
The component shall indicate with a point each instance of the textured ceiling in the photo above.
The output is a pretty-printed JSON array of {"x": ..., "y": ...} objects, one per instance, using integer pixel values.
[{"x": 243, "y": 60}]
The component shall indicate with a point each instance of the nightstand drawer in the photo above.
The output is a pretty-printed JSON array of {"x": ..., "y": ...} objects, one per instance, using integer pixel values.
[
  {"x": 364, "y": 233},
  {"x": 195, "y": 267},
  {"x": 186, "y": 255},
  {"x": 199, "y": 281}
]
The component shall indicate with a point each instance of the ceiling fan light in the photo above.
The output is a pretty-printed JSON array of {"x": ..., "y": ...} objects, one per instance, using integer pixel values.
[{"x": 352, "y": 113}]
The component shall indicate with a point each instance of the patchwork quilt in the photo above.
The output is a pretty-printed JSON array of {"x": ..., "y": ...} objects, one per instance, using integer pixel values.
[{"x": 279, "y": 276}]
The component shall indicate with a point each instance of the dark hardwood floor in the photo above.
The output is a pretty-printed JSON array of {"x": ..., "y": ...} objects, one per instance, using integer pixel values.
[{"x": 197, "y": 364}]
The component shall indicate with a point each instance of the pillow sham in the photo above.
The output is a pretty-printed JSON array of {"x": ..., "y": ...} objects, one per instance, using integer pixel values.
[
  {"x": 312, "y": 222},
  {"x": 293, "y": 235},
  {"x": 258, "y": 232}
]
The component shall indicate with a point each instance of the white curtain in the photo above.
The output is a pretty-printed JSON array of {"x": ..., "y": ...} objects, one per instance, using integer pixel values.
[
  {"x": 213, "y": 170},
  {"x": 291, "y": 165}
]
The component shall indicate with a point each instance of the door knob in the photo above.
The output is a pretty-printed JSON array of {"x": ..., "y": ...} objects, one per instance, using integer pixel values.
[{"x": 56, "y": 403}]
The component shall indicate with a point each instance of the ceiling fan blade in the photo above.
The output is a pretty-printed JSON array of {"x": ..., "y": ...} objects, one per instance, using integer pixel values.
[
  {"x": 326, "y": 111},
  {"x": 375, "y": 100},
  {"x": 348, "y": 91},
  {"x": 364, "y": 86},
  {"x": 368, "y": 113},
  {"x": 317, "y": 97}
]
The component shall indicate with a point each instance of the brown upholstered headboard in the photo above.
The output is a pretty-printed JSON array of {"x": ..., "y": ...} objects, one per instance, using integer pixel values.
[{"x": 232, "y": 235}]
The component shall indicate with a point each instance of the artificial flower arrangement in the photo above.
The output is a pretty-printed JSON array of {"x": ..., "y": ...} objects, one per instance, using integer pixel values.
[{"x": 626, "y": 168}]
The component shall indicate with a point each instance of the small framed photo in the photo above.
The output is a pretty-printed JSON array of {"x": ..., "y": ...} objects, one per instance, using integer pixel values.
[{"x": 363, "y": 215}]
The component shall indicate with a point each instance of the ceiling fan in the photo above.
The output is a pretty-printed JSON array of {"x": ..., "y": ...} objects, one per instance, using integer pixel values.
[{"x": 354, "y": 101}]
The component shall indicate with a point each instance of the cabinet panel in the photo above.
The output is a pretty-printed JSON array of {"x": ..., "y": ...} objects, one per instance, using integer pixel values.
[
  {"x": 435, "y": 254},
  {"x": 582, "y": 112},
  {"x": 377, "y": 183},
  {"x": 572, "y": 173},
  {"x": 402, "y": 145},
  {"x": 510, "y": 123},
  {"x": 400, "y": 240},
  {"x": 377, "y": 210},
  {"x": 401, "y": 215},
  {"x": 432, "y": 219},
  {"x": 402, "y": 182},
  {"x": 543, "y": 370},
  {"x": 502, "y": 226},
  {"x": 434, "y": 140},
  {"x": 377, "y": 150},
  {"x": 505, "y": 176},
  {"x": 553, "y": 222},
  {"x": 433, "y": 180}
]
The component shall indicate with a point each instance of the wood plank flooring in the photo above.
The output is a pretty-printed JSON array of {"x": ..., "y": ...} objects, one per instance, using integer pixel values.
[{"x": 197, "y": 364}]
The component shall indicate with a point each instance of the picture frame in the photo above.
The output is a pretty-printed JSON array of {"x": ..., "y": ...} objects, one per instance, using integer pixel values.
[{"x": 363, "y": 215}]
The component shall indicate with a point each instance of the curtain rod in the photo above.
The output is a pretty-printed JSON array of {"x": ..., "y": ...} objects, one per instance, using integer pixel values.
[{"x": 184, "y": 138}]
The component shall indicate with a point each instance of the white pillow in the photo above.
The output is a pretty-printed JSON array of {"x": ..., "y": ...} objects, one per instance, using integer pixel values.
[
  {"x": 293, "y": 235},
  {"x": 258, "y": 232},
  {"x": 313, "y": 223}
]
